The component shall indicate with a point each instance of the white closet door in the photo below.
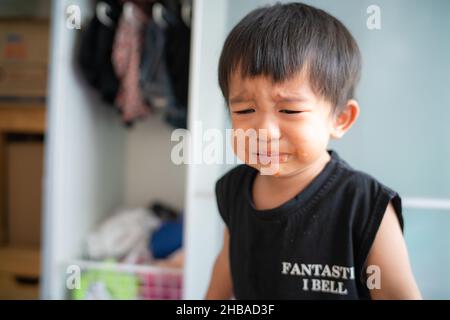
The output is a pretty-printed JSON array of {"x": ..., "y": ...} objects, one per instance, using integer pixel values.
[
  {"x": 84, "y": 156},
  {"x": 204, "y": 229}
]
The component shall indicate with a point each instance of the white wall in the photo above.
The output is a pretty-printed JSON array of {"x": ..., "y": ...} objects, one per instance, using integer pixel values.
[
  {"x": 150, "y": 175},
  {"x": 204, "y": 230}
]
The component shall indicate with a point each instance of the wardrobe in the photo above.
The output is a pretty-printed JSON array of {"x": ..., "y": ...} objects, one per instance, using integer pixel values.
[{"x": 94, "y": 163}]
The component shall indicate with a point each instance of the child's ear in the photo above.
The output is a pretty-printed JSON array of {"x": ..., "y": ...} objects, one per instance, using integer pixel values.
[{"x": 342, "y": 122}]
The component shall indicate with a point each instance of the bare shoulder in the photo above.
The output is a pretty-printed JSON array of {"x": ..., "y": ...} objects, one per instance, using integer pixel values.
[{"x": 389, "y": 255}]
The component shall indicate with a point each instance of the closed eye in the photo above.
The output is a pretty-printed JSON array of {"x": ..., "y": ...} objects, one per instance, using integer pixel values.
[
  {"x": 290, "y": 111},
  {"x": 244, "y": 111}
]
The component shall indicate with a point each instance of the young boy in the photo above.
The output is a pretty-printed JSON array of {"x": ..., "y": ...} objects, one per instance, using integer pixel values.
[{"x": 315, "y": 228}]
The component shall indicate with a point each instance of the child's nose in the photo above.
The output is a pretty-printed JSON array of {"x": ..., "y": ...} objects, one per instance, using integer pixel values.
[{"x": 268, "y": 129}]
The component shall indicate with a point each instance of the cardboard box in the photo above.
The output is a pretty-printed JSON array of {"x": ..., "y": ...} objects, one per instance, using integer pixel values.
[
  {"x": 24, "y": 57},
  {"x": 24, "y": 192}
]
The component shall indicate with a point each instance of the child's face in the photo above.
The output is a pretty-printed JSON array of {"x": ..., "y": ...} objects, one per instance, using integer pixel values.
[{"x": 295, "y": 117}]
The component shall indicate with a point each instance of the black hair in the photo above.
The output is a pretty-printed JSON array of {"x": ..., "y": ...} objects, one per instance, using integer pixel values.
[{"x": 281, "y": 40}]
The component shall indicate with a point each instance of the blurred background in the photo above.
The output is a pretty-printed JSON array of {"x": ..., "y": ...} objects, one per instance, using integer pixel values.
[{"x": 91, "y": 204}]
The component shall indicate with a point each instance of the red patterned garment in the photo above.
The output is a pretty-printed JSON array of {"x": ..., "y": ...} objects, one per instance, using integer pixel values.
[{"x": 126, "y": 58}]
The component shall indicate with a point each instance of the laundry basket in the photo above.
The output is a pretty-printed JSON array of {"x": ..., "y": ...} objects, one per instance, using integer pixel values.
[{"x": 111, "y": 281}]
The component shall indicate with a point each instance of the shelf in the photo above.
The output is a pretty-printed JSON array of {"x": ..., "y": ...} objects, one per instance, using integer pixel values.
[
  {"x": 20, "y": 261},
  {"x": 22, "y": 117}
]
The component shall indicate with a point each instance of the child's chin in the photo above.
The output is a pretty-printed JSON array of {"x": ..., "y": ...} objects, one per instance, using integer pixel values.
[
  {"x": 274, "y": 169},
  {"x": 277, "y": 169}
]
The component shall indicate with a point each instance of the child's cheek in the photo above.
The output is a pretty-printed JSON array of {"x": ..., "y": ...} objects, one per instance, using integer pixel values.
[{"x": 310, "y": 141}]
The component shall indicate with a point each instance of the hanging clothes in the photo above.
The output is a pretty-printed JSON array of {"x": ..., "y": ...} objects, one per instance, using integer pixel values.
[
  {"x": 126, "y": 57},
  {"x": 96, "y": 48},
  {"x": 165, "y": 62},
  {"x": 177, "y": 56},
  {"x": 154, "y": 81},
  {"x": 135, "y": 63}
]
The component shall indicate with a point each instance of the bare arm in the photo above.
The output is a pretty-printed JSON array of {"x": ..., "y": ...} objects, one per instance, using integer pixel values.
[
  {"x": 389, "y": 253},
  {"x": 220, "y": 286}
]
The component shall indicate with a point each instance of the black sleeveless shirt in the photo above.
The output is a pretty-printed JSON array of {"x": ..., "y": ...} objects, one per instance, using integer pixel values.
[{"x": 313, "y": 246}]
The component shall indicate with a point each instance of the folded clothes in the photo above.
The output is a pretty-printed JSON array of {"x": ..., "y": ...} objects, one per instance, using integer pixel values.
[
  {"x": 125, "y": 233},
  {"x": 166, "y": 239}
]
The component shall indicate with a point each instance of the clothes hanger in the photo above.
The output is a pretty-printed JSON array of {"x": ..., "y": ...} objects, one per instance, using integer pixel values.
[
  {"x": 158, "y": 11},
  {"x": 181, "y": 9},
  {"x": 128, "y": 11},
  {"x": 102, "y": 9},
  {"x": 186, "y": 10}
]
